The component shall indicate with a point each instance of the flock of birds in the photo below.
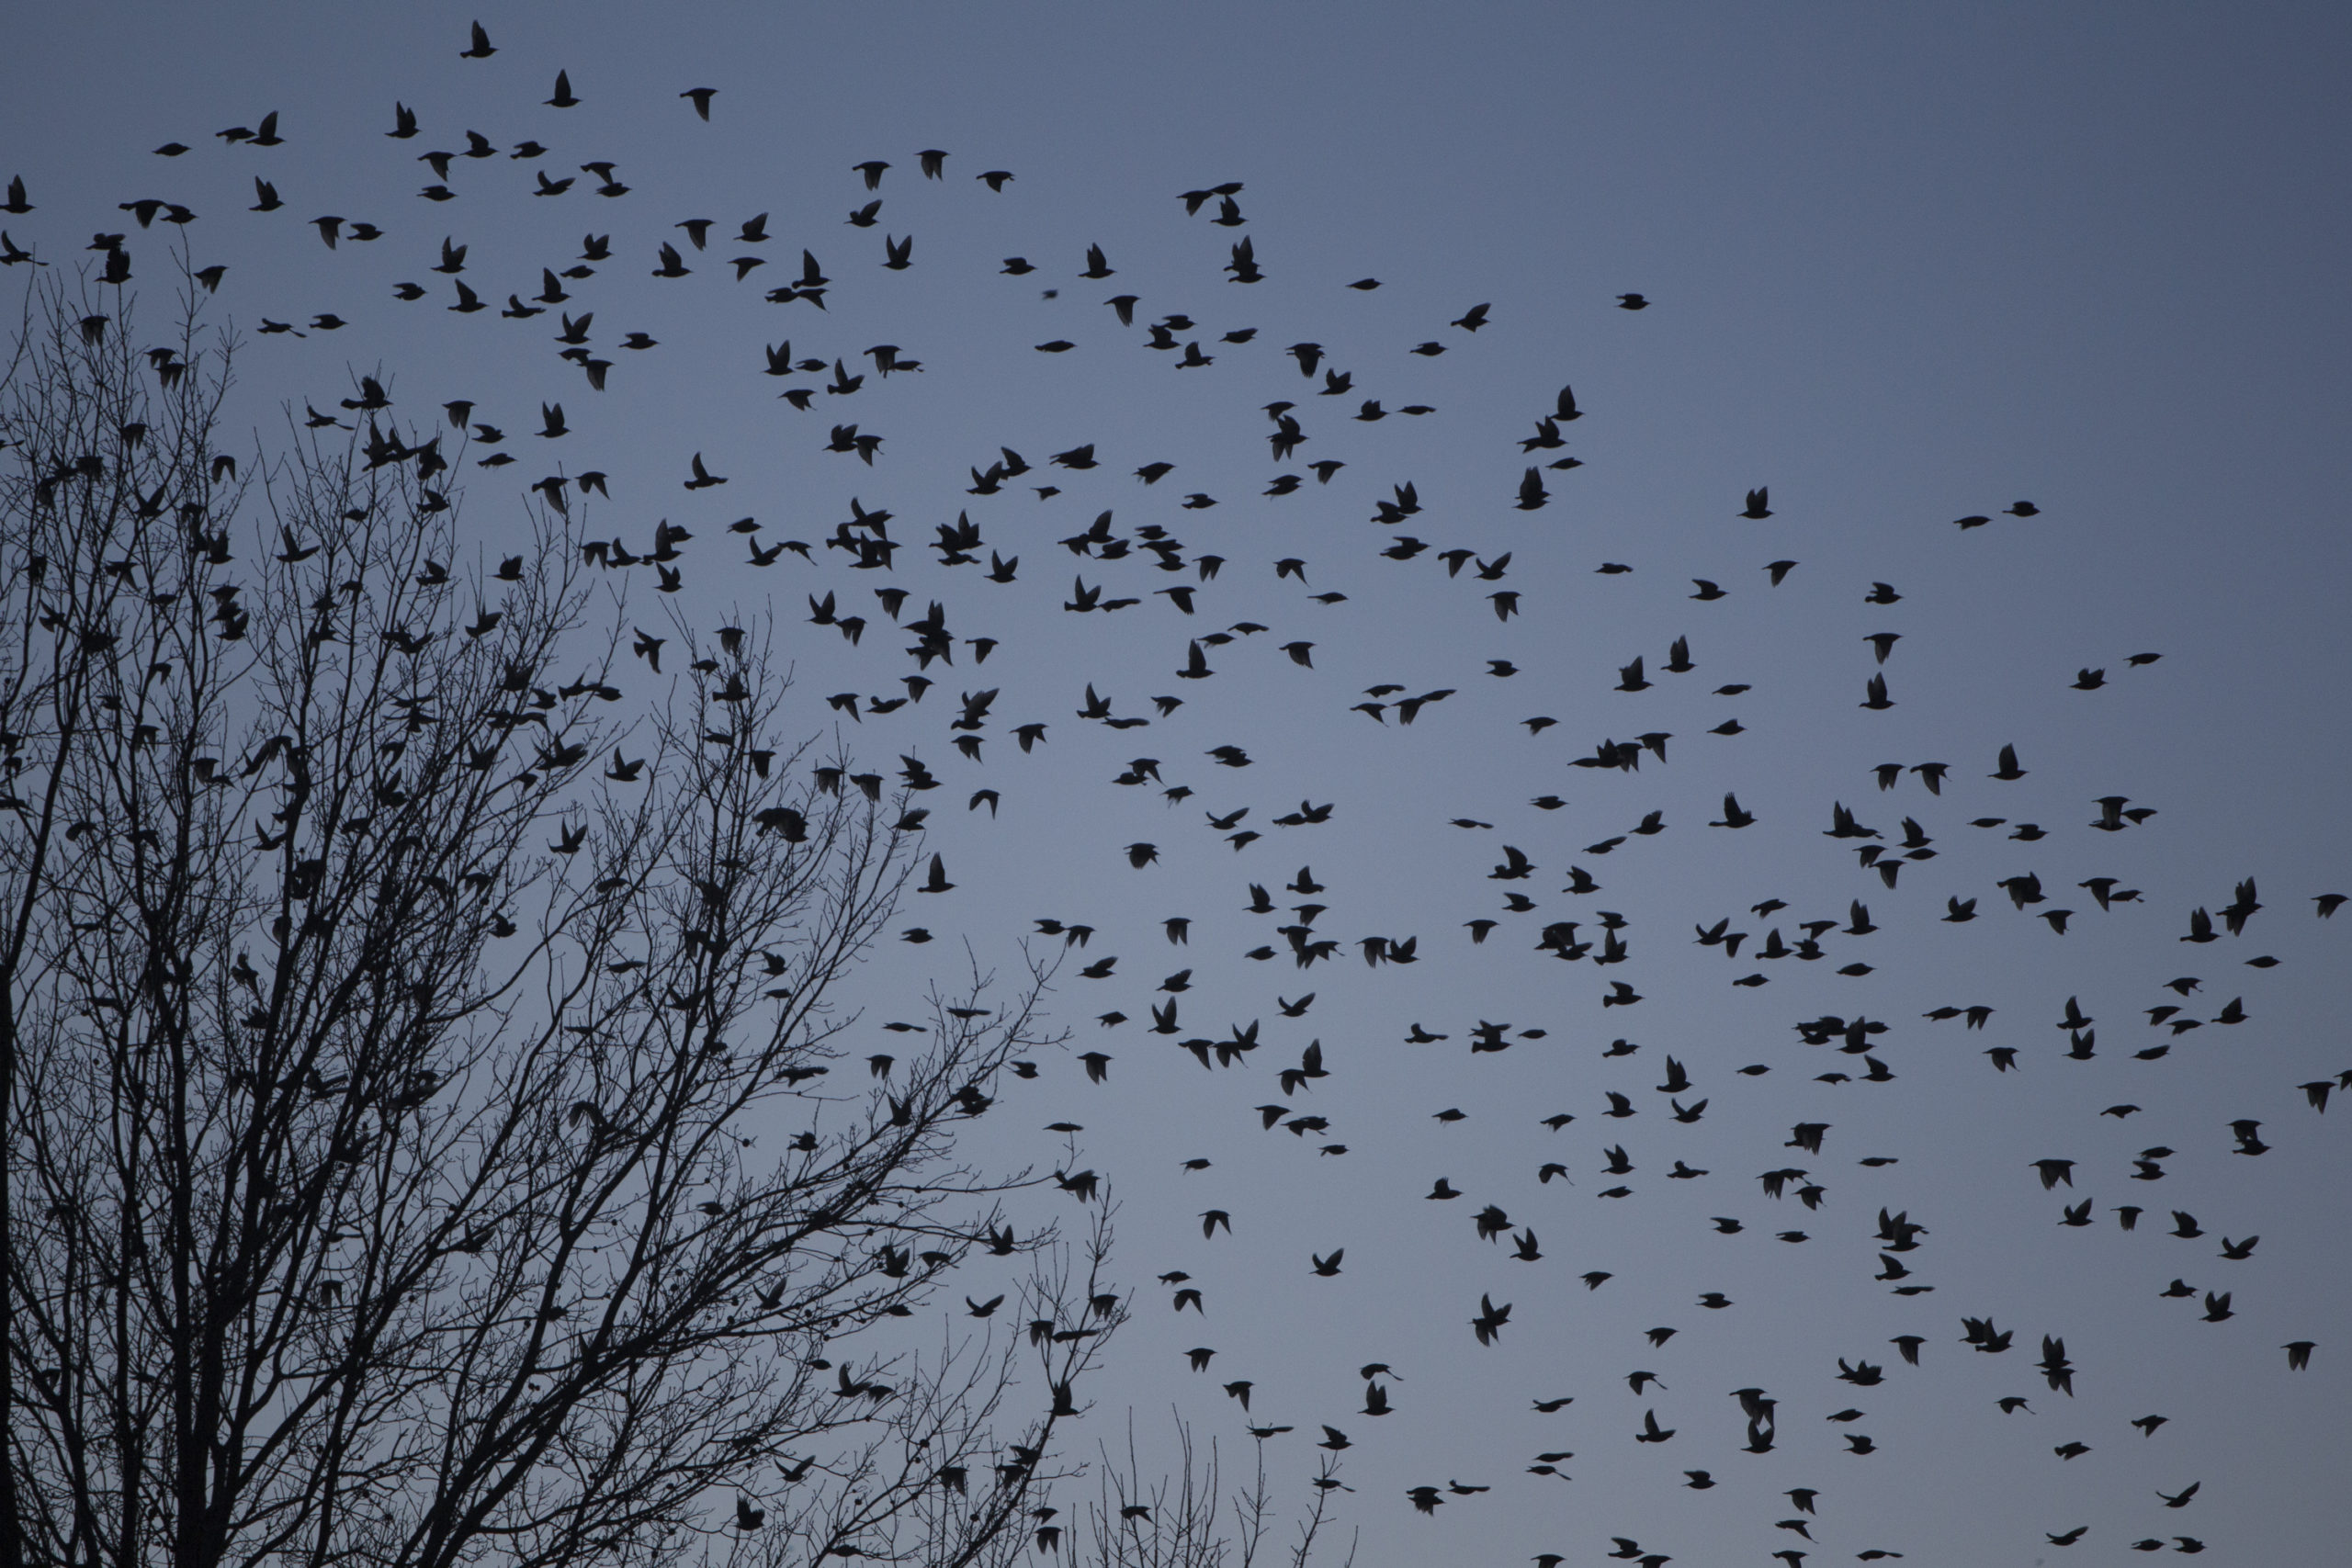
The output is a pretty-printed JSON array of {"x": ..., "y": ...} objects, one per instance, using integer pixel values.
[{"x": 1119, "y": 567}]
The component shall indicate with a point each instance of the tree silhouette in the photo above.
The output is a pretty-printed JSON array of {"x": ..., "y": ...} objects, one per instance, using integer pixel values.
[
  {"x": 1180, "y": 1519},
  {"x": 381, "y": 1043}
]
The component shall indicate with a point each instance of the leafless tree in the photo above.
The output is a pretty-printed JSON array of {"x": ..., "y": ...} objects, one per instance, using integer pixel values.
[
  {"x": 1144, "y": 1517},
  {"x": 382, "y": 1045}
]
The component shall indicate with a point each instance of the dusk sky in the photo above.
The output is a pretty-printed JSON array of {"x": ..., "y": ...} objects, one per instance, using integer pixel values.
[{"x": 1903, "y": 266}]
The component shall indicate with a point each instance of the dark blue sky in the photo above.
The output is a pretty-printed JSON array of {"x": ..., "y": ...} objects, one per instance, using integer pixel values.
[{"x": 1907, "y": 265}]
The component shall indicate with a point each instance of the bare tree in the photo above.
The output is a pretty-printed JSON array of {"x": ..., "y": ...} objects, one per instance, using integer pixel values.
[
  {"x": 1181, "y": 1519},
  {"x": 381, "y": 1044}
]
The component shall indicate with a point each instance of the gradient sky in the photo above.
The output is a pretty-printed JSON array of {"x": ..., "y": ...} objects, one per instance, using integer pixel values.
[{"x": 1907, "y": 265}]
